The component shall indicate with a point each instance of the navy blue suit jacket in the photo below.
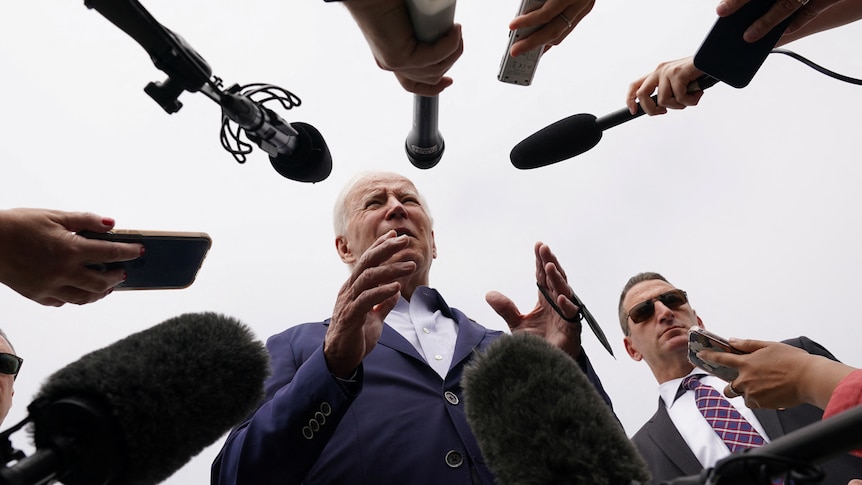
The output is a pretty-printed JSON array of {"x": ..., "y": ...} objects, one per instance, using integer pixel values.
[
  {"x": 400, "y": 423},
  {"x": 668, "y": 456}
]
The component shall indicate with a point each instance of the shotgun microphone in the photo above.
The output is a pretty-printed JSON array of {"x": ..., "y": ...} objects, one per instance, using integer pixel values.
[{"x": 576, "y": 134}]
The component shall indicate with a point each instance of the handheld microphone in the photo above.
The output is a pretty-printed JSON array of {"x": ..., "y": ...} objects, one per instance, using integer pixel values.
[
  {"x": 539, "y": 420},
  {"x": 796, "y": 452},
  {"x": 297, "y": 151},
  {"x": 137, "y": 410},
  {"x": 424, "y": 144},
  {"x": 578, "y": 133}
]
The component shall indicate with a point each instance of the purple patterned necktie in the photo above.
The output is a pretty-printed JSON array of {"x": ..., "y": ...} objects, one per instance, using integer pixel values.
[{"x": 728, "y": 424}]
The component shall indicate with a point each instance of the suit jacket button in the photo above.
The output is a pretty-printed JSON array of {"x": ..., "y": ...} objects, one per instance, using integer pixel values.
[
  {"x": 451, "y": 397},
  {"x": 454, "y": 459}
]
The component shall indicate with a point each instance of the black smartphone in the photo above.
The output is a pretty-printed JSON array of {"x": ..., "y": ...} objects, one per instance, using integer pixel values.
[
  {"x": 171, "y": 260},
  {"x": 702, "y": 339},
  {"x": 725, "y": 56}
]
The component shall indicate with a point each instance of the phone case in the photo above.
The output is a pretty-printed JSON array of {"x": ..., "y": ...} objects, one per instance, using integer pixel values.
[
  {"x": 171, "y": 259},
  {"x": 701, "y": 339},
  {"x": 724, "y": 54}
]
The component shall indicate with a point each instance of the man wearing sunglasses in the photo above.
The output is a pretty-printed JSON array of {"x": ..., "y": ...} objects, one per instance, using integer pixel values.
[
  {"x": 678, "y": 441},
  {"x": 10, "y": 364}
]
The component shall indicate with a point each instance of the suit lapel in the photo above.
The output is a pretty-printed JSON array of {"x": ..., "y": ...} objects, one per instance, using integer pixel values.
[
  {"x": 769, "y": 420},
  {"x": 666, "y": 437}
]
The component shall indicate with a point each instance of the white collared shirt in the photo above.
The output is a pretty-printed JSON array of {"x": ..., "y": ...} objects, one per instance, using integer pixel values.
[
  {"x": 426, "y": 328},
  {"x": 703, "y": 441}
]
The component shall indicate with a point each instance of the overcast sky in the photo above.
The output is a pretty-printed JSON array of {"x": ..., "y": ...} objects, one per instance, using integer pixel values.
[{"x": 750, "y": 201}]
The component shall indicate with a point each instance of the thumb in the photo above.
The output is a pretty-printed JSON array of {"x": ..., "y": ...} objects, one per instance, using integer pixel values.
[
  {"x": 85, "y": 221},
  {"x": 504, "y": 307}
]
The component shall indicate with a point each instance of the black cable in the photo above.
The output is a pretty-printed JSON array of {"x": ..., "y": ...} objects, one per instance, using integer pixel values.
[{"x": 817, "y": 67}]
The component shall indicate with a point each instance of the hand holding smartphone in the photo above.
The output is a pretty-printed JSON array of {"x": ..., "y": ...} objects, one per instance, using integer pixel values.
[
  {"x": 519, "y": 70},
  {"x": 702, "y": 339},
  {"x": 726, "y": 56},
  {"x": 171, "y": 260}
]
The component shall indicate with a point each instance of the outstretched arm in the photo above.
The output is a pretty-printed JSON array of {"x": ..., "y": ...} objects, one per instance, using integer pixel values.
[{"x": 43, "y": 259}]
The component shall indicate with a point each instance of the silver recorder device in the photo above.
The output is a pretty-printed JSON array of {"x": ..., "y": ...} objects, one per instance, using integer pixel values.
[{"x": 520, "y": 70}]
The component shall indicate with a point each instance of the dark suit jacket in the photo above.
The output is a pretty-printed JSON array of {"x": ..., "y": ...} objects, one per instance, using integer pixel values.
[
  {"x": 668, "y": 456},
  {"x": 399, "y": 423}
]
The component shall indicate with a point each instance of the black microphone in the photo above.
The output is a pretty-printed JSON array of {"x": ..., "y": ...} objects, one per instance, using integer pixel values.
[
  {"x": 139, "y": 409},
  {"x": 296, "y": 150},
  {"x": 798, "y": 452},
  {"x": 424, "y": 144},
  {"x": 578, "y": 133},
  {"x": 539, "y": 420}
]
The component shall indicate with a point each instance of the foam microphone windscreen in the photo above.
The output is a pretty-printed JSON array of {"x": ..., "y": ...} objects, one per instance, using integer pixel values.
[
  {"x": 170, "y": 391},
  {"x": 311, "y": 162},
  {"x": 556, "y": 142},
  {"x": 539, "y": 420}
]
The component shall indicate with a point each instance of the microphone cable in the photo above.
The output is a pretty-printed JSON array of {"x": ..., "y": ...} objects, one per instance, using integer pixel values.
[
  {"x": 231, "y": 130},
  {"x": 817, "y": 67}
]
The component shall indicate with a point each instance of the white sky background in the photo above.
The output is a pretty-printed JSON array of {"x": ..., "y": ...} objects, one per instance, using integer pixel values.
[{"x": 749, "y": 202}]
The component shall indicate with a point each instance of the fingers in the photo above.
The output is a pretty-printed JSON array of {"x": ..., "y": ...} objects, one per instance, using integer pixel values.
[
  {"x": 557, "y": 19},
  {"x": 421, "y": 71},
  {"x": 545, "y": 256},
  {"x": 672, "y": 83},
  {"x": 748, "y": 345},
  {"x": 550, "y": 274},
  {"x": 85, "y": 221},
  {"x": 722, "y": 358},
  {"x": 98, "y": 251},
  {"x": 374, "y": 277},
  {"x": 779, "y": 11},
  {"x": 728, "y": 7},
  {"x": 730, "y": 392},
  {"x": 423, "y": 89}
]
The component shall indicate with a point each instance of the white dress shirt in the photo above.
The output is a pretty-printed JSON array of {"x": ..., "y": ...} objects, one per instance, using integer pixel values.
[{"x": 426, "y": 328}]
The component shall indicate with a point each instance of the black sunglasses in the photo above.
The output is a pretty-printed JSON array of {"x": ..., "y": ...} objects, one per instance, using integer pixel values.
[
  {"x": 10, "y": 364},
  {"x": 644, "y": 310}
]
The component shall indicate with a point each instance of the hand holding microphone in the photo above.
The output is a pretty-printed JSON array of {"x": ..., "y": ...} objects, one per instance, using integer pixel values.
[
  {"x": 578, "y": 133},
  {"x": 296, "y": 151},
  {"x": 424, "y": 144}
]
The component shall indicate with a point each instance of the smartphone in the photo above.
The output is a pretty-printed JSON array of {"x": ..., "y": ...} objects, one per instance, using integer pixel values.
[
  {"x": 171, "y": 260},
  {"x": 725, "y": 56},
  {"x": 519, "y": 70},
  {"x": 702, "y": 339}
]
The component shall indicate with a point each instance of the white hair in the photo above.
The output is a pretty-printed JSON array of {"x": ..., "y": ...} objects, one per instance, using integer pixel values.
[{"x": 339, "y": 212}]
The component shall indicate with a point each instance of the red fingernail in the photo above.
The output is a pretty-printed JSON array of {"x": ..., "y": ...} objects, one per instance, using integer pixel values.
[
  {"x": 107, "y": 222},
  {"x": 143, "y": 250},
  {"x": 125, "y": 275}
]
